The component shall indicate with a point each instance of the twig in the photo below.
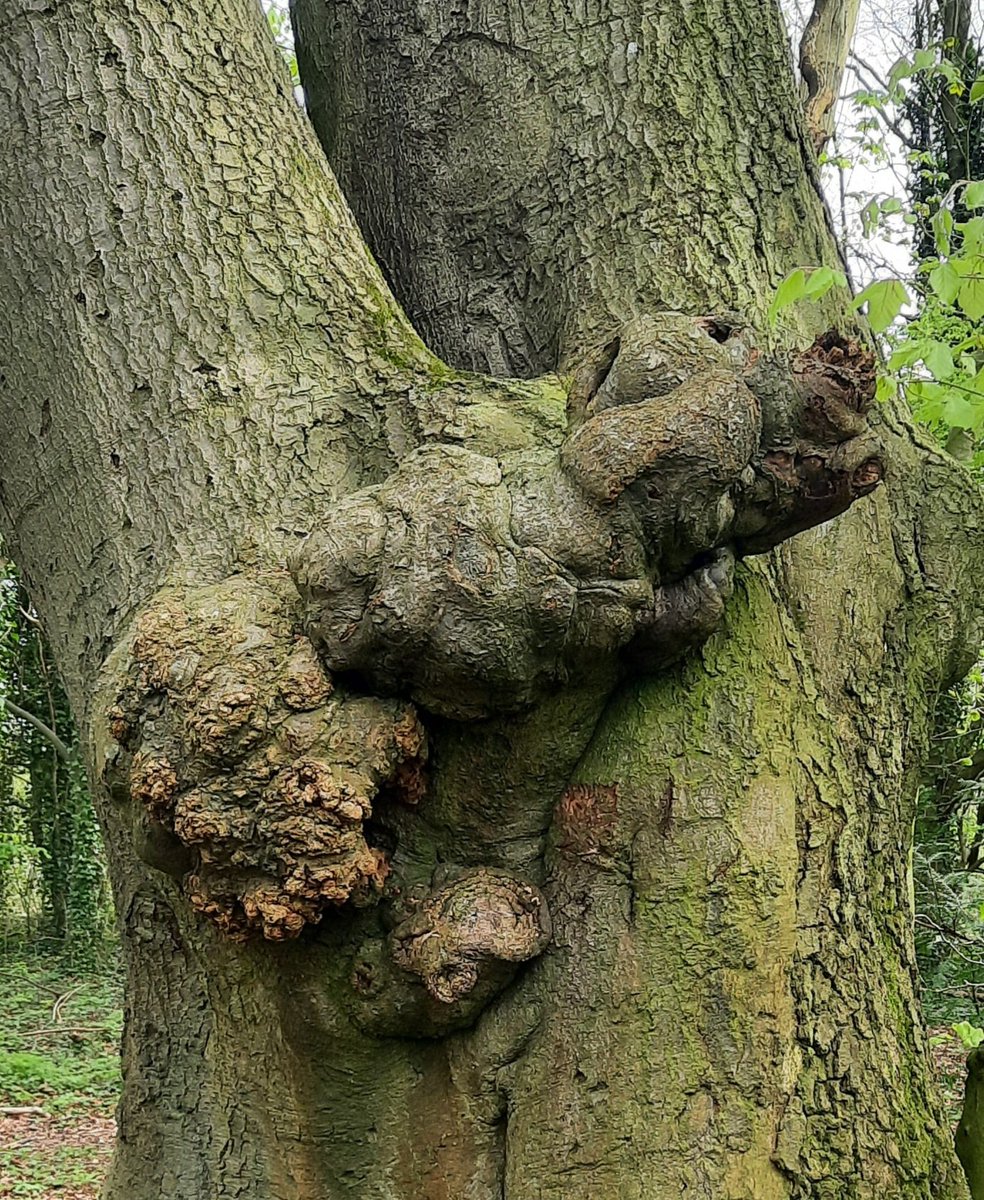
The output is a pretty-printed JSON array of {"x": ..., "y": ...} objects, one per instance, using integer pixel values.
[
  {"x": 43, "y": 987},
  {"x": 66, "y": 1029},
  {"x": 29, "y": 1111},
  {"x": 60, "y": 1002},
  {"x": 48, "y": 734}
]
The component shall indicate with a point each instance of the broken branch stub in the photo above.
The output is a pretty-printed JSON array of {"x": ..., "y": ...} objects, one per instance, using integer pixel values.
[
  {"x": 456, "y": 949},
  {"x": 481, "y": 920}
]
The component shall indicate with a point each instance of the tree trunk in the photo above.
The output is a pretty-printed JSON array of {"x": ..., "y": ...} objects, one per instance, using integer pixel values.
[
  {"x": 705, "y": 871},
  {"x": 551, "y": 169}
]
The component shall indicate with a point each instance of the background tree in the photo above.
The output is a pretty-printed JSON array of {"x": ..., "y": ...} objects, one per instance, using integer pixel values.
[
  {"x": 47, "y": 822},
  {"x": 704, "y": 869},
  {"x": 947, "y": 127}
]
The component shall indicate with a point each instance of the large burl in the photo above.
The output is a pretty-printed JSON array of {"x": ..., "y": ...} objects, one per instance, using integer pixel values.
[
  {"x": 253, "y": 779},
  {"x": 253, "y": 723},
  {"x": 473, "y": 584}
]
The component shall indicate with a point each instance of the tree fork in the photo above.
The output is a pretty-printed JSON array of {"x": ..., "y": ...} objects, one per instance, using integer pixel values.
[{"x": 723, "y": 882}]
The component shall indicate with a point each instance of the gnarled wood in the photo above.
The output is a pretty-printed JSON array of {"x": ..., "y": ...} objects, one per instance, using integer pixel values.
[{"x": 726, "y": 1004}]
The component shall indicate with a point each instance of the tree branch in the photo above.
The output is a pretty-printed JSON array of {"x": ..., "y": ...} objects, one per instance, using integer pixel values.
[
  {"x": 823, "y": 55},
  {"x": 49, "y": 735}
]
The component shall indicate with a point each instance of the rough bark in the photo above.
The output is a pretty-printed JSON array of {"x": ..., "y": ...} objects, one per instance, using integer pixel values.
[
  {"x": 704, "y": 873},
  {"x": 824, "y": 48},
  {"x": 553, "y": 169}
]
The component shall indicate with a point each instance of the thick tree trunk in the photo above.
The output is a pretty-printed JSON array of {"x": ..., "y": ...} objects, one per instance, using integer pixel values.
[
  {"x": 553, "y": 168},
  {"x": 769, "y": 949},
  {"x": 725, "y": 1006}
]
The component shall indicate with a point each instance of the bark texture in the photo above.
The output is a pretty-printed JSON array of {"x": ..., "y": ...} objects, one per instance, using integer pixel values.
[
  {"x": 824, "y": 48},
  {"x": 553, "y": 169},
  {"x": 624, "y": 937}
]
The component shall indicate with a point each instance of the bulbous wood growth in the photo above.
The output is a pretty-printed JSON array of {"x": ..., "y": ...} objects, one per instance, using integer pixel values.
[
  {"x": 505, "y": 796},
  {"x": 250, "y": 779},
  {"x": 474, "y": 584}
]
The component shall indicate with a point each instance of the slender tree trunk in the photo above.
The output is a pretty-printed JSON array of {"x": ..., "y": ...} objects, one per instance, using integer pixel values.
[
  {"x": 725, "y": 1006},
  {"x": 824, "y": 48}
]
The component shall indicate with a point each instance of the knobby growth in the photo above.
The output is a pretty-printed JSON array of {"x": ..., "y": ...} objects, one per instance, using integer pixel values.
[{"x": 262, "y": 724}]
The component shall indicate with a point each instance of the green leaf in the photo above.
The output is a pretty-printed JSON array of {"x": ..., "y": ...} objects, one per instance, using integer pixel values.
[
  {"x": 942, "y": 223},
  {"x": 971, "y": 298},
  {"x": 885, "y": 389},
  {"x": 959, "y": 410},
  {"x": 975, "y": 393},
  {"x": 792, "y": 288},
  {"x": 901, "y": 70},
  {"x": 945, "y": 282},
  {"x": 884, "y": 299},
  {"x": 912, "y": 350},
  {"x": 974, "y": 194},
  {"x": 799, "y": 285},
  {"x": 869, "y": 217},
  {"x": 891, "y": 205},
  {"x": 973, "y": 235},
  {"x": 977, "y": 91},
  {"x": 821, "y": 281},
  {"x": 924, "y": 60},
  {"x": 927, "y": 400},
  {"x": 938, "y": 358},
  {"x": 969, "y": 1034}
]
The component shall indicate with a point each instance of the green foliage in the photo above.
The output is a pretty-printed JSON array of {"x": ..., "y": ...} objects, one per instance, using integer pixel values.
[
  {"x": 884, "y": 300},
  {"x": 25, "y": 1076},
  {"x": 278, "y": 19},
  {"x": 812, "y": 284},
  {"x": 58, "y": 1051},
  {"x": 56, "y": 1171},
  {"x": 970, "y": 1035},
  {"x": 938, "y": 356},
  {"x": 52, "y": 879},
  {"x": 61, "y": 1032},
  {"x": 948, "y": 861},
  {"x": 932, "y": 330}
]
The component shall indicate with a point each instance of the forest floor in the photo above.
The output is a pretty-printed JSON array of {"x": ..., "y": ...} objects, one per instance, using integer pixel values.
[{"x": 59, "y": 1060}]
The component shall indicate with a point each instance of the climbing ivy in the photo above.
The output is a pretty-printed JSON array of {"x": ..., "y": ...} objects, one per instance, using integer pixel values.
[{"x": 50, "y": 855}]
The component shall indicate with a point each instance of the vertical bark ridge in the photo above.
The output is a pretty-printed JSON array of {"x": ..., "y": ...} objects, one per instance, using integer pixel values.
[{"x": 824, "y": 48}]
